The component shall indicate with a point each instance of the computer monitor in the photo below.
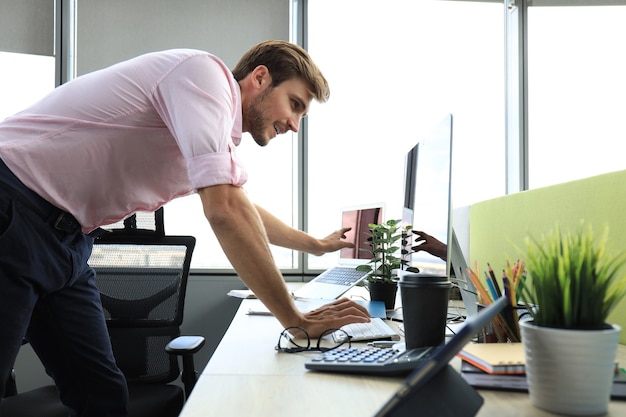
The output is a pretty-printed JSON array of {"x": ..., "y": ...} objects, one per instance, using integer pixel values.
[
  {"x": 427, "y": 201},
  {"x": 410, "y": 173},
  {"x": 428, "y": 208}
]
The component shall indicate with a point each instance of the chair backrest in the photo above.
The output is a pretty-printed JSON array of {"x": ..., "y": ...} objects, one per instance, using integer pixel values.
[
  {"x": 142, "y": 278},
  {"x": 141, "y": 222}
]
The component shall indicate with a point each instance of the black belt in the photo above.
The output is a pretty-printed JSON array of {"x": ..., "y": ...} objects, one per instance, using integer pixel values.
[{"x": 58, "y": 219}]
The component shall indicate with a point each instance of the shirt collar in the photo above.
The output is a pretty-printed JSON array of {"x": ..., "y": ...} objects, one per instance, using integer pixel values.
[{"x": 236, "y": 132}]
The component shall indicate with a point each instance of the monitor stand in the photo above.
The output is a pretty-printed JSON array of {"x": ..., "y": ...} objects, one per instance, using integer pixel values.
[{"x": 458, "y": 264}]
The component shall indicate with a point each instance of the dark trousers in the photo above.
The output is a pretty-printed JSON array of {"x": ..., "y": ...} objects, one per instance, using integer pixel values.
[{"x": 48, "y": 296}]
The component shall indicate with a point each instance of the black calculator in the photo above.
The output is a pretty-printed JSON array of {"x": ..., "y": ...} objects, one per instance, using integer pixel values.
[{"x": 369, "y": 360}]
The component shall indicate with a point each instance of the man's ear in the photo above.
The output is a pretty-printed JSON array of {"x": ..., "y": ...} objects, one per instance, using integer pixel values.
[{"x": 261, "y": 77}]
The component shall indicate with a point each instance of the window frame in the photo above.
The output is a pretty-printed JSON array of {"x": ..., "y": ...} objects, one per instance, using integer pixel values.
[{"x": 516, "y": 91}]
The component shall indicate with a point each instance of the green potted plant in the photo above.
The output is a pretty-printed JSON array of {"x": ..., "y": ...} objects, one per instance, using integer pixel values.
[
  {"x": 388, "y": 245},
  {"x": 570, "y": 348}
]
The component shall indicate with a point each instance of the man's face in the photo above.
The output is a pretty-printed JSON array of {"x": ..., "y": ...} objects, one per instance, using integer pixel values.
[{"x": 276, "y": 110}]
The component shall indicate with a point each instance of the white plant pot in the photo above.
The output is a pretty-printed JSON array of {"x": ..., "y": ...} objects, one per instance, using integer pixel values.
[{"x": 570, "y": 371}]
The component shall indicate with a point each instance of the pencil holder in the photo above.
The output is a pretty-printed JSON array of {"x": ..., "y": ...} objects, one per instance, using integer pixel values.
[{"x": 504, "y": 328}]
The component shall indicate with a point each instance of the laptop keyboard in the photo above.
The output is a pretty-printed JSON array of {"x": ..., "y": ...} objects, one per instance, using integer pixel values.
[
  {"x": 376, "y": 329},
  {"x": 341, "y": 276}
]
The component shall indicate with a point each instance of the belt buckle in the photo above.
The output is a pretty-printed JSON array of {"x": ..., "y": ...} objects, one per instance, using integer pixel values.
[{"x": 66, "y": 223}]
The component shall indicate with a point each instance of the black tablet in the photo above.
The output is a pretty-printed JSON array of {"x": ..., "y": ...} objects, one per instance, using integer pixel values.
[{"x": 434, "y": 375}]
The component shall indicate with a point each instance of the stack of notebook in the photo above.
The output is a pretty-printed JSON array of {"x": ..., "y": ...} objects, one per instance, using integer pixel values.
[
  {"x": 495, "y": 358},
  {"x": 501, "y": 366}
]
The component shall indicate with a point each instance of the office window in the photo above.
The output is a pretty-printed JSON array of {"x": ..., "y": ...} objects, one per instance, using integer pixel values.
[
  {"x": 27, "y": 61},
  {"x": 395, "y": 69},
  {"x": 25, "y": 79},
  {"x": 272, "y": 184},
  {"x": 576, "y": 91},
  {"x": 111, "y": 31}
]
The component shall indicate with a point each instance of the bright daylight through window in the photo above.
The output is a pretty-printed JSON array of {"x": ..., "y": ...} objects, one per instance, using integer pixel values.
[
  {"x": 395, "y": 69},
  {"x": 392, "y": 85}
]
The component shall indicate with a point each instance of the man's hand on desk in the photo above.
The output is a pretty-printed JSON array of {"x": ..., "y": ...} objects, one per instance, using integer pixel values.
[{"x": 333, "y": 316}]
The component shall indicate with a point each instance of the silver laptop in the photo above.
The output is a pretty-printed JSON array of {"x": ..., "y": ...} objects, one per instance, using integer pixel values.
[{"x": 334, "y": 282}]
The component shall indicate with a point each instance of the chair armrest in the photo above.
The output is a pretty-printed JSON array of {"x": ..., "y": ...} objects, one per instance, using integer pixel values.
[{"x": 185, "y": 345}]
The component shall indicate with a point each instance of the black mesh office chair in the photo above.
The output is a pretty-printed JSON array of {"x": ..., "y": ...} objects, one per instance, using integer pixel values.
[{"x": 142, "y": 276}]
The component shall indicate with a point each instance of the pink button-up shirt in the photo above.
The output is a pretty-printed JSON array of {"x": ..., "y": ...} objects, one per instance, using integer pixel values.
[{"x": 130, "y": 137}]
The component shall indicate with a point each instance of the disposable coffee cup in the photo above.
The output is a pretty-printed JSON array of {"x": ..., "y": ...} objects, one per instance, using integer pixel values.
[{"x": 424, "y": 309}]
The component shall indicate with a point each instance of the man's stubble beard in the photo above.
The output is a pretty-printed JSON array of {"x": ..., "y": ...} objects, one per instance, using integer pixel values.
[{"x": 257, "y": 121}]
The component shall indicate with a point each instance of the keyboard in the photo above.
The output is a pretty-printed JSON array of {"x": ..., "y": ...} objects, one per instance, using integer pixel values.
[
  {"x": 340, "y": 275},
  {"x": 369, "y": 360},
  {"x": 376, "y": 329}
]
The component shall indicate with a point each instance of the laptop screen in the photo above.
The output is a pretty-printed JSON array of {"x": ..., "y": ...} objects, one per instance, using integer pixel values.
[{"x": 358, "y": 219}]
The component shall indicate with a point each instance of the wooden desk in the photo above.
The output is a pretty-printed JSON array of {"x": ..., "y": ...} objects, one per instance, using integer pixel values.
[{"x": 247, "y": 377}]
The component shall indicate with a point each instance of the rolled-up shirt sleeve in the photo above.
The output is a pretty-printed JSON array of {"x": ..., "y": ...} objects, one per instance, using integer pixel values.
[
  {"x": 199, "y": 100},
  {"x": 216, "y": 168}
]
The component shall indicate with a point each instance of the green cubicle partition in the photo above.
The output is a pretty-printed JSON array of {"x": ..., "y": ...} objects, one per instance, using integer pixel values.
[{"x": 498, "y": 227}]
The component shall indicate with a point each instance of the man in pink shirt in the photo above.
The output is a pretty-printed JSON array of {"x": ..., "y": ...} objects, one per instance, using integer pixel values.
[{"x": 133, "y": 137}]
